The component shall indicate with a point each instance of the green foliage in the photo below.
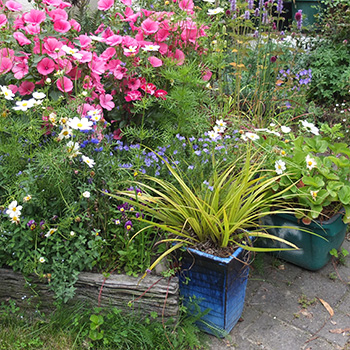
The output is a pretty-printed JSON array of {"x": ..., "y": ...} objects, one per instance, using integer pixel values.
[
  {"x": 315, "y": 169},
  {"x": 225, "y": 209}
]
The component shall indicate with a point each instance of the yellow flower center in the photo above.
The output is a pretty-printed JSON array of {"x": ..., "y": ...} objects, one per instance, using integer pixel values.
[{"x": 79, "y": 125}]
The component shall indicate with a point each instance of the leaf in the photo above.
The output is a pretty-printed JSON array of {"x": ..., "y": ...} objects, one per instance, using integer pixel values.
[
  {"x": 313, "y": 181},
  {"x": 327, "y": 307},
  {"x": 339, "y": 330},
  {"x": 344, "y": 194}
]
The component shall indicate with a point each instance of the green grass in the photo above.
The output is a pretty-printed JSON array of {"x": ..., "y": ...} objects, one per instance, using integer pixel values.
[{"x": 82, "y": 328}]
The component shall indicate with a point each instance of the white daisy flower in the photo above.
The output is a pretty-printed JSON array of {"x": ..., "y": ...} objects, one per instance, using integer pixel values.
[
  {"x": 310, "y": 162},
  {"x": 310, "y": 127},
  {"x": 80, "y": 124},
  {"x": 27, "y": 198},
  {"x": 23, "y": 105},
  {"x": 51, "y": 232},
  {"x": 38, "y": 95},
  {"x": 8, "y": 94},
  {"x": 86, "y": 194},
  {"x": 42, "y": 259},
  {"x": 285, "y": 129},
  {"x": 250, "y": 136},
  {"x": 150, "y": 48},
  {"x": 90, "y": 162},
  {"x": 280, "y": 166},
  {"x": 215, "y": 11}
]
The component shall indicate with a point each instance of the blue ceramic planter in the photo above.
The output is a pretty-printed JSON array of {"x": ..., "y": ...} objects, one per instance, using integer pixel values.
[
  {"x": 314, "y": 251},
  {"x": 218, "y": 284}
]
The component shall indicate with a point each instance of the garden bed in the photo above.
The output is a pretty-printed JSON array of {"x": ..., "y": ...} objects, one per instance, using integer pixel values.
[{"x": 118, "y": 290}]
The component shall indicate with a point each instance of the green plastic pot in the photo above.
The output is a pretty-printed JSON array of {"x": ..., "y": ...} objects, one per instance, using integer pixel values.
[{"x": 313, "y": 252}]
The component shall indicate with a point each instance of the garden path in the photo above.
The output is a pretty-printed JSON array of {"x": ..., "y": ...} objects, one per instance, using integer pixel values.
[{"x": 289, "y": 308}]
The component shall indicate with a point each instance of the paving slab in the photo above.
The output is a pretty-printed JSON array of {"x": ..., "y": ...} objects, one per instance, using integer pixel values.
[{"x": 289, "y": 308}]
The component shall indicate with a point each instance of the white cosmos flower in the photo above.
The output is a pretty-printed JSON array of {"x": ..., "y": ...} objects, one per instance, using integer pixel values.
[
  {"x": 38, "y": 95},
  {"x": 151, "y": 48},
  {"x": 27, "y": 198},
  {"x": 250, "y": 136},
  {"x": 65, "y": 133},
  {"x": 42, "y": 259},
  {"x": 50, "y": 232},
  {"x": 310, "y": 162},
  {"x": 310, "y": 127},
  {"x": 86, "y": 194},
  {"x": 90, "y": 162},
  {"x": 285, "y": 129},
  {"x": 24, "y": 105},
  {"x": 73, "y": 149},
  {"x": 269, "y": 131},
  {"x": 213, "y": 135},
  {"x": 15, "y": 219},
  {"x": 210, "y": 1},
  {"x": 14, "y": 209},
  {"x": 280, "y": 166},
  {"x": 80, "y": 124},
  {"x": 222, "y": 125},
  {"x": 215, "y": 11},
  {"x": 8, "y": 94},
  {"x": 130, "y": 49}
]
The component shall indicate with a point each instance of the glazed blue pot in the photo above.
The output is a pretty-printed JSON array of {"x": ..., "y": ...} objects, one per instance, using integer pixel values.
[
  {"x": 215, "y": 285},
  {"x": 313, "y": 252}
]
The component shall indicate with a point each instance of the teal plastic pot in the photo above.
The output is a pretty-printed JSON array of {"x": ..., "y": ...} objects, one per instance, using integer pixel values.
[
  {"x": 313, "y": 252},
  {"x": 310, "y": 8}
]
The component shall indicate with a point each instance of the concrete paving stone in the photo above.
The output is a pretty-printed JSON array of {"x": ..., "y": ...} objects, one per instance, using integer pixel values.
[
  {"x": 344, "y": 303},
  {"x": 313, "y": 284},
  {"x": 273, "y": 334},
  {"x": 317, "y": 321},
  {"x": 320, "y": 344},
  {"x": 277, "y": 300}
]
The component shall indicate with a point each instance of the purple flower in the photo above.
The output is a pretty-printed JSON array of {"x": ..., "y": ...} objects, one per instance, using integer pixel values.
[
  {"x": 197, "y": 153},
  {"x": 279, "y": 6},
  {"x": 250, "y": 4},
  {"x": 128, "y": 225}
]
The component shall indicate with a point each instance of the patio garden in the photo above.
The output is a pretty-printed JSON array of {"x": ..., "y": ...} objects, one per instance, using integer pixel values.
[{"x": 132, "y": 131}]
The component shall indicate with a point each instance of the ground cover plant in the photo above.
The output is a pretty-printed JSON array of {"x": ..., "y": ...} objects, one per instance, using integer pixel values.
[{"x": 86, "y": 328}]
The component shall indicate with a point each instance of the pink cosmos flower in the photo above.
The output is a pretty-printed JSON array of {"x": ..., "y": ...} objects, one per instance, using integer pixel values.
[
  {"x": 32, "y": 29},
  {"x": 179, "y": 57},
  {"x": 119, "y": 72},
  {"x": 61, "y": 26},
  {"x": 20, "y": 69},
  {"x": 207, "y": 75},
  {"x": 108, "y": 53},
  {"x": 58, "y": 14},
  {"x": 13, "y": 6},
  {"x": 64, "y": 84},
  {"x": 87, "y": 56},
  {"x": 53, "y": 47},
  {"x": 114, "y": 40},
  {"x": 21, "y": 38},
  {"x": 13, "y": 88},
  {"x": 46, "y": 66},
  {"x": 85, "y": 41},
  {"x": 149, "y": 26},
  {"x": 133, "y": 96},
  {"x": 97, "y": 65},
  {"x": 3, "y": 20},
  {"x": 149, "y": 88},
  {"x": 133, "y": 83},
  {"x": 5, "y": 65},
  {"x": 26, "y": 88},
  {"x": 106, "y": 101},
  {"x": 186, "y": 5},
  {"x": 155, "y": 62},
  {"x": 34, "y": 17},
  {"x": 104, "y": 5},
  {"x": 75, "y": 25},
  {"x": 161, "y": 94}
]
